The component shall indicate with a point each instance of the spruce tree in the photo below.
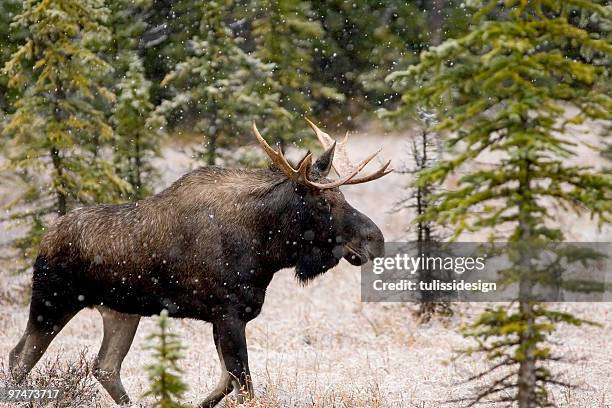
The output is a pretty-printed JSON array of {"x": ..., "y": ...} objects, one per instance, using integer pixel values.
[
  {"x": 364, "y": 41},
  {"x": 57, "y": 127},
  {"x": 137, "y": 127},
  {"x": 10, "y": 38},
  {"x": 287, "y": 35},
  {"x": 165, "y": 385},
  {"x": 138, "y": 130},
  {"x": 513, "y": 86},
  {"x": 127, "y": 22},
  {"x": 425, "y": 150},
  {"x": 170, "y": 27},
  {"x": 223, "y": 87}
]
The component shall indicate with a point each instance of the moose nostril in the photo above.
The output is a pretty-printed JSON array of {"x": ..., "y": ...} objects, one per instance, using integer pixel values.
[{"x": 375, "y": 243}]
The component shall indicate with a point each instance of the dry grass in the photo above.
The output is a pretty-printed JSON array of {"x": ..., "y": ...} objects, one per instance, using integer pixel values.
[
  {"x": 72, "y": 376},
  {"x": 15, "y": 290},
  {"x": 320, "y": 346}
]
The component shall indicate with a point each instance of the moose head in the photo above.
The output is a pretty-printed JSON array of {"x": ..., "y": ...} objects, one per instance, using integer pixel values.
[{"x": 333, "y": 228}]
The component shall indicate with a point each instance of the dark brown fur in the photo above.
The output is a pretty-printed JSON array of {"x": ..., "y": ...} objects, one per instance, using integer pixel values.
[{"x": 205, "y": 248}]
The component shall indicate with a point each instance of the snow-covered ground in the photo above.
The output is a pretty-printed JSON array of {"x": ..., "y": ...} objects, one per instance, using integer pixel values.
[{"x": 319, "y": 346}]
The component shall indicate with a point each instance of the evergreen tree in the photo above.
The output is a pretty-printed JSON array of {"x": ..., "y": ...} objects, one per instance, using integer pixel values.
[
  {"x": 435, "y": 8},
  {"x": 10, "y": 38},
  {"x": 426, "y": 150},
  {"x": 287, "y": 35},
  {"x": 127, "y": 21},
  {"x": 9, "y": 9},
  {"x": 57, "y": 127},
  {"x": 171, "y": 24},
  {"x": 138, "y": 131},
  {"x": 366, "y": 40},
  {"x": 221, "y": 85},
  {"x": 138, "y": 128},
  {"x": 166, "y": 385},
  {"x": 508, "y": 87}
]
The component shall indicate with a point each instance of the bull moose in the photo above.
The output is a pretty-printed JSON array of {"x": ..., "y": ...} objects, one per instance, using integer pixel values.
[{"x": 205, "y": 248}]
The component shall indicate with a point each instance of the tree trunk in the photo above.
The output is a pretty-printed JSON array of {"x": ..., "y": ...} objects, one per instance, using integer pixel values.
[
  {"x": 429, "y": 303},
  {"x": 211, "y": 150},
  {"x": 137, "y": 185},
  {"x": 56, "y": 158},
  {"x": 526, "y": 396},
  {"x": 435, "y": 20},
  {"x": 59, "y": 171}
]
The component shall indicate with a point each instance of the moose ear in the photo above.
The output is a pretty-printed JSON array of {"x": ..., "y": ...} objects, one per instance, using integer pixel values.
[
  {"x": 324, "y": 162},
  {"x": 303, "y": 158}
]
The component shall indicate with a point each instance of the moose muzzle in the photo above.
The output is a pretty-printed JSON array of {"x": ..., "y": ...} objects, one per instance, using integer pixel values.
[{"x": 366, "y": 241}]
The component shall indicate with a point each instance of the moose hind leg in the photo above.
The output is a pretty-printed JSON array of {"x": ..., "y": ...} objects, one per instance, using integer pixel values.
[
  {"x": 53, "y": 303},
  {"x": 42, "y": 327},
  {"x": 224, "y": 386},
  {"x": 119, "y": 331}
]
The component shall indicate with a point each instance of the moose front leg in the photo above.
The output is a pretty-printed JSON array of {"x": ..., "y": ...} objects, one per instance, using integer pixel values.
[
  {"x": 232, "y": 346},
  {"x": 225, "y": 385}
]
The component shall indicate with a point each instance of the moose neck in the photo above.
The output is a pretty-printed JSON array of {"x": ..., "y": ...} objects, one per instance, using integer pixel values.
[
  {"x": 284, "y": 219},
  {"x": 284, "y": 245}
]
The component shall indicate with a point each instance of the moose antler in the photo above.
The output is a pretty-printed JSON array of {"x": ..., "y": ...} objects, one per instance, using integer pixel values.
[
  {"x": 342, "y": 164},
  {"x": 278, "y": 158},
  {"x": 302, "y": 172}
]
